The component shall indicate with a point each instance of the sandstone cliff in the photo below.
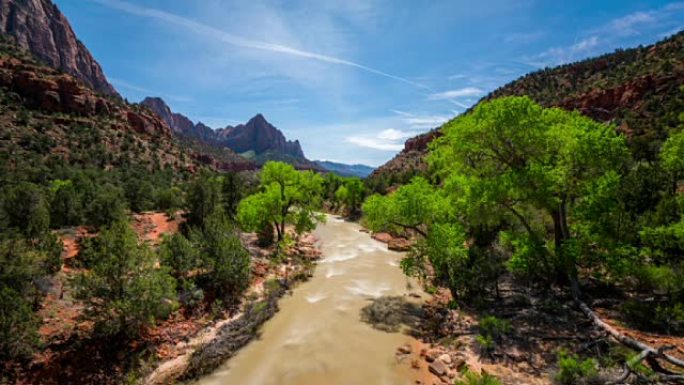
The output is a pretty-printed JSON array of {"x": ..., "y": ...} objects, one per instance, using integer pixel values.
[{"x": 40, "y": 28}]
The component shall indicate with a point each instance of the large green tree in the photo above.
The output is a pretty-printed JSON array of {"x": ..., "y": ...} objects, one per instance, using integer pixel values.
[
  {"x": 514, "y": 172},
  {"x": 286, "y": 196}
]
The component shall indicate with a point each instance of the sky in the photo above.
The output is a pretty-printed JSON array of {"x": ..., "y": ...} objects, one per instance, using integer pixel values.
[{"x": 351, "y": 79}]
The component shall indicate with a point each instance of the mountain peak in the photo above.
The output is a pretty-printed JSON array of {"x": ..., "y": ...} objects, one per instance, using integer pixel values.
[{"x": 40, "y": 28}]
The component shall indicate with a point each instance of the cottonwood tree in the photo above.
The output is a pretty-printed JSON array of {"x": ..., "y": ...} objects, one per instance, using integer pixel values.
[
  {"x": 509, "y": 170},
  {"x": 351, "y": 194},
  {"x": 286, "y": 196},
  {"x": 513, "y": 161}
]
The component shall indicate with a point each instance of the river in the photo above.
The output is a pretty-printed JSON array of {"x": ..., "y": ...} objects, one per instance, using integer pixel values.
[{"x": 318, "y": 336}]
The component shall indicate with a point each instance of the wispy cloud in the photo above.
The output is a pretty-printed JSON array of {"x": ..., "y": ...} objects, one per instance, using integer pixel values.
[
  {"x": 386, "y": 140},
  {"x": 559, "y": 55},
  {"x": 458, "y": 93},
  {"x": 613, "y": 34},
  {"x": 421, "y": 122},
  {"x": 239, "y": 41},
  {"x": 146, "y": 91}
]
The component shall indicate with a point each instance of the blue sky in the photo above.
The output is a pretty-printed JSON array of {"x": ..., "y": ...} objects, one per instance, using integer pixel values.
[{"x": 351, "y": 79}]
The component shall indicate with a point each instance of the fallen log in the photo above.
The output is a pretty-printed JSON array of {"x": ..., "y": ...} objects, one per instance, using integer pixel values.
[{"x": 627, "y": 341}]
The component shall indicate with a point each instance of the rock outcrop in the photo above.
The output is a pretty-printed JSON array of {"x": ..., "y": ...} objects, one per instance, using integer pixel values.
[
  {"x": 40, "y": 28},
  {"x": 53, "y": 92}
]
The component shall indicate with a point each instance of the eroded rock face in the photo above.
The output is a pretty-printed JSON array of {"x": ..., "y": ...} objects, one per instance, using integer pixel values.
[
  {"x": 51, "y": 91},
  {"x": 40, "y": 28}
]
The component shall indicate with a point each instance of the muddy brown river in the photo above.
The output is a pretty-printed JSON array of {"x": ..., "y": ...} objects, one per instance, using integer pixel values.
[{"x": 318, "y": 336}]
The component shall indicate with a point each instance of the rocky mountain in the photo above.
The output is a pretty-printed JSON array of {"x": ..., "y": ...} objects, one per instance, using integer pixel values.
[
  {"x": 342, "y": 169},
  {"x": 257, "y": 140},
  {"x": 259, "y": 136},
  {"x": 639, "y": 90},
  {"x": 49, "y": 116},
  {"x": 40, "y": 28}
]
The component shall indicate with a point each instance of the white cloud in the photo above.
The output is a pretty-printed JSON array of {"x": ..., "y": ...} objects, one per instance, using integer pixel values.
[
  {"x": 239, "y": 41},
  {"x": 629, "y": 24},
  {"x": 458, "y": 93},
  {"x": 391, "y": 134},
  {"x": 559, "y": 55},
  {"x": 389, "y": 139}
]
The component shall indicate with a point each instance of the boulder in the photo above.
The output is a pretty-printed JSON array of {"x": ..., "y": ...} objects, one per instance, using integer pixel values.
[
  {"x": 438, "y": 368},
  {"x": 445, "y": 358},
  {"x": 382, "y": 237},
  {"x": 399, "y": 244}
]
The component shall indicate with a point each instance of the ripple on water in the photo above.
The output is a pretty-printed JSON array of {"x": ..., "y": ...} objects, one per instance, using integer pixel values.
[
  {"x": 392, "y": 263},
  {"x": 316, "y": 297},
  {"x": 333, "y": 272},
  {"x": 371, "y": 247},
  {"x": 368, "y": 288},
  {"x": 340, "y": 257}
]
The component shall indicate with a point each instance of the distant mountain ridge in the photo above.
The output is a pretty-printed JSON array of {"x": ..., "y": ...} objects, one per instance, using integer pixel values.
[
  {"x": 638, "y": 89},
  {"x": 40, "y": 28},
  {"x": 342, "y": 169},
  {"x": 257, "y": 140}
]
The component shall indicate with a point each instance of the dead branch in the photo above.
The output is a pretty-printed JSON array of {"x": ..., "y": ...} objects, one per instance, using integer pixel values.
[{"x": 627, "y": 341}]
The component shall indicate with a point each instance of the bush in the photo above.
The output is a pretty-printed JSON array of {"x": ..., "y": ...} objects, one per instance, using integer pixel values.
[
  {"x": 27, "y": 209},
  {"x": 224, "y": 256},
  {"x": 107, "y": 207},
  {"x": 492, "y": 332},
  {"x": 180, "y": 255},
  {"x": 471, "y": 378},
  {"x": 574, "y": 371},
  {"x": 18, "y": 326}
]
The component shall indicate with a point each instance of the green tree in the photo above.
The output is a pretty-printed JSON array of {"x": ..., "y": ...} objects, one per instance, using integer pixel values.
[
  {"x": 224, "y": 258},
  {"x": 233, "y": 189},
  {"x": 140, "y": 193},
  {"x": 351, "y": 194},
  {"x": 123, "y": 289},
  {"x": 508, "y": 172},
  {"x": 66, "y": 208},
  {"x": 107, "y": 206},
  {"x": 180, "y": 255},
  {"x": 18, "y": 325},
  {"x": 287, "y": 196},
  {"x": 170, "y": 200},
  {"x": 21, "y": 263},
  {"x": 26, "y": 209},
  {"x": 203, "y": 198},
  {"x": 512, "y": 161}
]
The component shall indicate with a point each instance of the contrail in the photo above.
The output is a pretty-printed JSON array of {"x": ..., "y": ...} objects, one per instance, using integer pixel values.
[{"x": 240, "y": 41}]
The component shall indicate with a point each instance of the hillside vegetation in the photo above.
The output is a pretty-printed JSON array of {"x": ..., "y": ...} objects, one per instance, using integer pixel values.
[{"x": 635, "y": 89}]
